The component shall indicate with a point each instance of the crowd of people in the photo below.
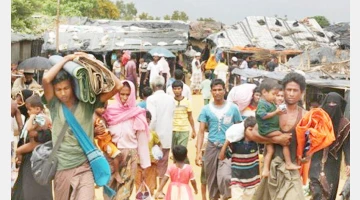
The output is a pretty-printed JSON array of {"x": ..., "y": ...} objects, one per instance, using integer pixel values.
[{"x": 140, "y": 137}]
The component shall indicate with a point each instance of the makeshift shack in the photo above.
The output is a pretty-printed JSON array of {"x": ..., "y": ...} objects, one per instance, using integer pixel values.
[
  {"x": 282, "y": 38},
  {"x": 104, "y": 37},
  {"x": 24, "y": 46}
]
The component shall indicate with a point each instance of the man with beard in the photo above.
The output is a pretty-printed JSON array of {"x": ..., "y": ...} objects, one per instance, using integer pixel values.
[
  {"x": 288, "y": 184},
  {"x": 327, "y": 162},
  {"x": 219, "y": 115},
  {"x": 25, "y": 82}
]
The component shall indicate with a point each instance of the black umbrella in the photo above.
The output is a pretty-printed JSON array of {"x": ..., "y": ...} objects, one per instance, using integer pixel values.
[{"x": 39, "y": 63}]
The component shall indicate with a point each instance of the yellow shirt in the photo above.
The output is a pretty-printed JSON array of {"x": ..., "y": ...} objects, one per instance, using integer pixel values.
[{"x": 180, "y": 121}]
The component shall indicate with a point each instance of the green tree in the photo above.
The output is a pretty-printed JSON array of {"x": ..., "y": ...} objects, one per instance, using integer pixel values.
[
  {"x": 167, "y": 17},
  {"x": 322, "y": 21},
  {"x": 105, "y": 9},
  {"x": 184, "y": 16},
  {"x": 84, "y": 8},
  {"x": 81, "y": 8},
  {"x": 145, "y": 16},
  {"x": 177, "y": 15},
  {"x": 128, "y": 11},
  {"x": 21, "y": 11},
  {"x": 210, "y": 19},
  {"x": 157, "y": 18}
]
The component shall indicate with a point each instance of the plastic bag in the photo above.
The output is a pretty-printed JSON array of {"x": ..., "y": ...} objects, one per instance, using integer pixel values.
[
  {"x": 143, "y": 192},
  {"x": 235, "y": 132},
  {"x": 157, "y": 152}
]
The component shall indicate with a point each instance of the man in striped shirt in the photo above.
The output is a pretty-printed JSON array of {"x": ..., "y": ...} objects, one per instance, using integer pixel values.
[{"x": 244, "y": 154}]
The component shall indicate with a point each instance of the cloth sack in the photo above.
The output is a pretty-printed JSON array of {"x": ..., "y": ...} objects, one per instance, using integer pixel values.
[
  {"x": 235, "y": 132},
  {"x": 156, "y": 152},
  {"x": 43, "y": 166}
]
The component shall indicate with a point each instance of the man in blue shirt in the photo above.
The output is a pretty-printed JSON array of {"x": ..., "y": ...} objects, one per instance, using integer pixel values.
[{"x": 219, "y": 115}]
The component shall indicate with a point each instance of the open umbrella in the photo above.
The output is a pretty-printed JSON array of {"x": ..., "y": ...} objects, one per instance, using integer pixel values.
[
  {"x": 39, "y": 63},
  {"x": 162, "y": 50}
]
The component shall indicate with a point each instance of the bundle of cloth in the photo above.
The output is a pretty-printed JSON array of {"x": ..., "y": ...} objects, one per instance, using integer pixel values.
[
  {"x": 235, "y": 132},
  {"x": 90, "y": 76},
  {"x": 314, "y": 132},
  {"x": 241, "y": 95}
]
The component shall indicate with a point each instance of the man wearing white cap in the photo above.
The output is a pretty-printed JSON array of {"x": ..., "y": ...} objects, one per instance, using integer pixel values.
[
  {"x": 165, "y": 67},
  {"x": 25, "y": 82},
  {"x": 154, "y": 68},
  {"x": 196, "y": 76},
  {"x": 233, "y": 79}
]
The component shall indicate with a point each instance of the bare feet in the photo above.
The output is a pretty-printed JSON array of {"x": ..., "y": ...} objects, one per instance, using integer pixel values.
[
  {"x": 291, "y": 166},
  {"x": 265, "y": 173},
  {"x": 118, "y": 177}
]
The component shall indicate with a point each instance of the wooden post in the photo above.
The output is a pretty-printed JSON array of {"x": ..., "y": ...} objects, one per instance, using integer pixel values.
[
  {"x": 228, "y": 59},
  {"x": 57, "y": 26}
]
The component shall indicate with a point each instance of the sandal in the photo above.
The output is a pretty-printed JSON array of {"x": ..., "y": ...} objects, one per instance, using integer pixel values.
[{"x": 161, "y": 196}]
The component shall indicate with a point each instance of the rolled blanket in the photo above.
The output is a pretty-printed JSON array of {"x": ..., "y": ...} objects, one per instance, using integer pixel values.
[
  {"x": 101, "y": 76},
  {"x": 80, "y": 77},
  {"x": 90, "y": 76}
]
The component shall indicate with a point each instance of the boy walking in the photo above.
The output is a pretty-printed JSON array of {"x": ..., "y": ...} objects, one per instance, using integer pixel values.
[
  {"x": 205, "y": 88},
  {"x": 182, "y": 117},
  {"x": 244, "y": 154}
]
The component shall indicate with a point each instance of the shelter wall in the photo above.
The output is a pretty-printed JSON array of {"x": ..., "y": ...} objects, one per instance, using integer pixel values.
[
  {"x": 15, "y": 52},
  {"x": 20, "y": 51}
]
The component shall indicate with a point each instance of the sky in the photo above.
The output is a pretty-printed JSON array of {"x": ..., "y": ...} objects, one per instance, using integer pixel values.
[{"x": 232, "y": 11}]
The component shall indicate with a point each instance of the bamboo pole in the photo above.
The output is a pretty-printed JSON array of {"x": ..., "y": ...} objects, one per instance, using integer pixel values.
[{"x": 57, "y": 26}]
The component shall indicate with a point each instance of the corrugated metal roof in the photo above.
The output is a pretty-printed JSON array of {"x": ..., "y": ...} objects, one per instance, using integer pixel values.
[
  {"x": 269, "y": 35},
  {"x": 107, "y": 35}
]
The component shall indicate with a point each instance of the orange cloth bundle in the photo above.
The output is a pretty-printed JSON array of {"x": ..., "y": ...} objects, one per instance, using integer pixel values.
[
  {"x": 211, "y": 63},
  {"x": 318, "y": 122}
]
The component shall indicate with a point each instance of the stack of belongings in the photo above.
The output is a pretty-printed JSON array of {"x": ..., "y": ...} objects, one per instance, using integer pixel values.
[
  {"x": 314, "y": 132},
  {"x": 241, "y": 95},
  {"x": 90, "y": 76}
]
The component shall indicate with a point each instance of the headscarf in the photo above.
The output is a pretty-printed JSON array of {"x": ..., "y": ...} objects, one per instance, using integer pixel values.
[
  {"x": 24, "y": 94},
  {"x": 335, "y": 112},
  {"x": 119, "y": 112}
]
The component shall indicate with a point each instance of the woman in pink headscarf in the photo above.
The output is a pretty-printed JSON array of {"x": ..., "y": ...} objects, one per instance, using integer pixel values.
[{"x": 129, "y": 130}]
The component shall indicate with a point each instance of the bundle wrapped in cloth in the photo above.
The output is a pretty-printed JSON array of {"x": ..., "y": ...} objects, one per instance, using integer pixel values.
[
  {"x": 314, "y": 132},
  {"x": 241, "y": 95},
  {"x": 90, "y": 76}
]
